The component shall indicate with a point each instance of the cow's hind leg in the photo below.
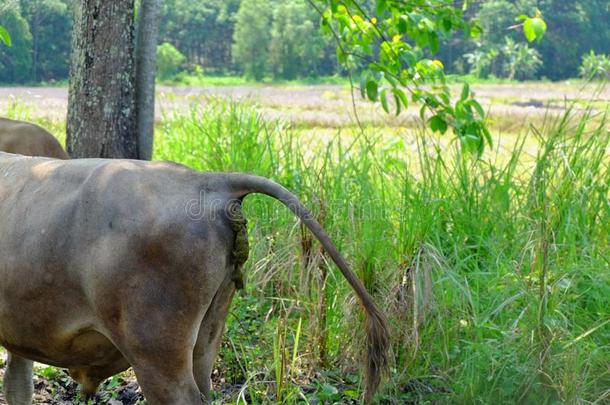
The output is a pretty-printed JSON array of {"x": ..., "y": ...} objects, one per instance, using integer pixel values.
[
  {"x": 168, "y": 385},
  {"x": 163, "y": 367},
  {"x": 18, "y": 384},
  {"x": 161, "y": 356},
  {"x": 158, "y": 341},
  {"x": 210, "y": 336}
]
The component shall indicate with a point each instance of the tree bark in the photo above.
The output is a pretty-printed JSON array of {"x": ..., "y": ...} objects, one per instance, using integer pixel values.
[
  {"x": 146, "y": 65},
  {"x": 101, "y": 102}
]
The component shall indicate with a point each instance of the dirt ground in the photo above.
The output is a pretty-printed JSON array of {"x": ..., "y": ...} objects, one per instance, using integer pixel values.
[
  {"x": 53, "y": 386},
  {"x": 59, "y": 389}
]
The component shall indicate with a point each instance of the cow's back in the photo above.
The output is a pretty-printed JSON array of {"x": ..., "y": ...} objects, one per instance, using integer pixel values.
[
  {"x": 94, "y": 215},
  {"x": 28, "y": 139},
  {"x": 80, "y": 238},
  {"x": 81, "y": 201}
]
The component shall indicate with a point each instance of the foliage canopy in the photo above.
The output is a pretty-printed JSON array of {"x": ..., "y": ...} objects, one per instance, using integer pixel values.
[
  {"x": 204, "y": 32},
  {"x": 395, "y": 42}
]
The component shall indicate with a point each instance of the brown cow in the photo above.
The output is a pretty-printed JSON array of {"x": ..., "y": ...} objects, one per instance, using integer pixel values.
[
  {"x": 106, "y": 264},
  {"x": 28, "y": 139}
]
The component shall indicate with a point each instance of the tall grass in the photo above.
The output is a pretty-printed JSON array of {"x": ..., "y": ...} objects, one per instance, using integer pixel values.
[{"x": 495, "y": 273}]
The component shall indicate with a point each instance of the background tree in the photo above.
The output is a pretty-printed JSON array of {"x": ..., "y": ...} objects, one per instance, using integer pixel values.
[
  {"x": 146, "y": 63},
  {"x": 201, "y": 30},
  {"x": 282, "y": 39},
  {"x": 568, "y": 36},
  {"x": 495, "y": 17},
  {"x": 50, "y": 23},
  {"x": 101, "y": 102},
  {"x": 169, "y": 60},
  {"x": 252, "y": 38},
  {"x": 520, "y": 61},
  {"x": 574, "y": 29},
  {"x": 102, "y": 105},
  {"x": 598, "y": 29},
  {"x": 297, "y": 44},
  {"x": 16, "y": 60},
  {"x": 595, "y": 67}
]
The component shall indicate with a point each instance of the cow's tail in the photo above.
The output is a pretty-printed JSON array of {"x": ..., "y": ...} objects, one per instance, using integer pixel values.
[{"x": 240, "y": 185}]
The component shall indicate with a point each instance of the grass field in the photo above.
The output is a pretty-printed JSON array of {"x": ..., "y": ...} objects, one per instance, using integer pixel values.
[{"x": 494, "y": 273}]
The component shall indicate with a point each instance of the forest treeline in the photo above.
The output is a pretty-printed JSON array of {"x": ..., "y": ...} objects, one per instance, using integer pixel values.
[{"x": 281, "y": 39}]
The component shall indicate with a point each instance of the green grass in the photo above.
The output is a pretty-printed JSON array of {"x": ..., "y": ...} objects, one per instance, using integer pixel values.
[
  {"x": 495, "y": 276},
  {"x": 186, "y": 79},
  {"x": 471, "y": 79},
  {"x": 494, "y": 273},
  {"x": 190, "y": 79},
  {"x": 19, "y": 111},
  {"x": 194, "y": 79}
]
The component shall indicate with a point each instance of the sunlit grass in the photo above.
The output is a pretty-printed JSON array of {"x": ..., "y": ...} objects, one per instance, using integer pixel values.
[
  {"x": 190, "y": 79},
  {"x": 495, "y": 273}
]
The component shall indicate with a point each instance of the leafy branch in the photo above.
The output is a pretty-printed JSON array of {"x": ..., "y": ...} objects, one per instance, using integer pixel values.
[{"x": 393, "y": 44}]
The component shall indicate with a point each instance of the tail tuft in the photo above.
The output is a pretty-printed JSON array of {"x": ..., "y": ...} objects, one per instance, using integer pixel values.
[
  {"x": 378, "y": 343},
  {"x": 241, "y": 185}
]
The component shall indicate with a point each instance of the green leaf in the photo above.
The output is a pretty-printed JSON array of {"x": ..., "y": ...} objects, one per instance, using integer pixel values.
[
  {"x": 352, "y": 394},
  {"x": 372, "y": 89},
  {"x": 382, "y": 6},
  {"x": 540, "y": 27},
  {"x": 329, "y": 392},
  {"x": 409, "y": 57},
  {"x": 477, "y": 106},
  {"x": 400, "y": 95},
  {"x": 396, "y": 62},
  {"x": 391, "y": 80},
  {"x": 472, "y": 143},
  {"x": 528, "y": 30},
  {"x": 534, "y": 29},
  {"x": 462, "y": 112},
  {"x": 384, "y": 100},
  {"x": 363, "y": 80},
  {"x": 447, "y": 25},
  {"x": 397, "y": 101},
  {"x": 438, "y": 124},
  {"x": 434, "y": 42},
  {"x": 4, "y": 36},
  {"x": 487, "y": 135},
  {"x": 341, "y": 56},
  {"x": 402, "y": 25},
  {"x": 474, "y": 30},
  {"x": 465, "y": 92}
]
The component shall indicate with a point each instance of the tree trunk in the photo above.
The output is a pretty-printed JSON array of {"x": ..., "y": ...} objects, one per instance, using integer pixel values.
[
  {"x": 101, "y": 102},
  {"x": 146, "y": 65},
  {"x": 34, "y": 27}
]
